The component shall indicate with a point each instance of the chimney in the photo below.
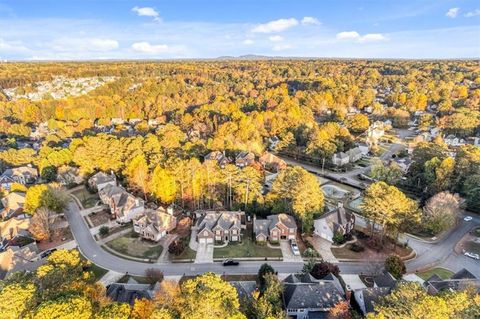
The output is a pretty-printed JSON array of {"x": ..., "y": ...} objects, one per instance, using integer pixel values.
[{"x": 348, "y": 293}]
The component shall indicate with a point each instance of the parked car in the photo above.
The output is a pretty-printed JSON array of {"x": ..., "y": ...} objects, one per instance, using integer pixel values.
[
  {"x": 47, "y": 253},
  {"x": 472, "y": 255},
  {"x": 467, "y": 218},
  {"x": 230, "y": 262},
  {"x": 294, "y": 246}
]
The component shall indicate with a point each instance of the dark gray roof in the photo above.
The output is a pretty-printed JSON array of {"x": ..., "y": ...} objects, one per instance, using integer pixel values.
[
  {"x": 373, "y": 295},
  {"x": 321, "y": 295},
  {"x": 260, "y": 226},
  {"x": 434, "y": 277},
  {"x": 285, "y": 219},
  {"x": 244, "y": 288},
  {"x": 463, "y": 274},
  {"x": 128, "y": 293},
  {"x": 299, "y": 278},
  {"x": 385, "y": 280},
  {"x": 223, "y": 219}
]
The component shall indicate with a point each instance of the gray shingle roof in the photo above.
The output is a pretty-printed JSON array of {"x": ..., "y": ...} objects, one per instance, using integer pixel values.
[{"x": 321, "y": 295}]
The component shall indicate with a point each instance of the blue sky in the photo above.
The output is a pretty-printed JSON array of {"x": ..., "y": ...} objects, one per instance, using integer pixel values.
[{"x": 125, "y": 29}]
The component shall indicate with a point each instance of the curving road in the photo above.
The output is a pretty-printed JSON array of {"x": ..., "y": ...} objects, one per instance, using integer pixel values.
[{"x": 429, "y": 254}]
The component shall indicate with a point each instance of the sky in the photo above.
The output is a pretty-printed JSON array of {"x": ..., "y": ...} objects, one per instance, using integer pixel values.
[{"x": 177, "y": 29}]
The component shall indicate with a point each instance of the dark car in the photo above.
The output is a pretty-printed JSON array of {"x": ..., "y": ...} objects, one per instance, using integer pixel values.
[
  {"x": 230, "y": 262},
  {"x": 47, "y": 253}
]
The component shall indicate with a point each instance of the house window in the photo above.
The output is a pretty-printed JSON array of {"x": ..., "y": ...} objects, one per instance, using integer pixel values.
[{"x": 218, "y": 232}]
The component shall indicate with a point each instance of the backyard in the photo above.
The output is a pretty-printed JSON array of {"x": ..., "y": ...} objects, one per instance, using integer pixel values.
[
  {"x": 132, "y": 245},
  {"x": 440, "y": 272},
  {"x": 100, "y": 218},
  {"x": 247, "y": 248},
  {"x": 87, "y": 199}
]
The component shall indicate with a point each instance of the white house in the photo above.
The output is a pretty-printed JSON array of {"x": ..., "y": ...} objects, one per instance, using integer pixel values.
[
  {"x": 354, "y": 154},
  {"x": 340, "y": 159},
  {"x": 452, "y": 140},
  {"x": 336, "y": 221}
]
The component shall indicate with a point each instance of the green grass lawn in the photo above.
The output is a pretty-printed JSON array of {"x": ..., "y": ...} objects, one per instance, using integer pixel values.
[
  {"x": 472, "y": 247},
  {"x": 131, "y": 245},
  {"x": 87, "y": 199},
  {"x": 188, "y": 253},
  {"x": 441, "y": 272},
  {"x": 98, "y": 271},
  {"x": 477, "y": 232},
  {"x": 247, "y": 248}
]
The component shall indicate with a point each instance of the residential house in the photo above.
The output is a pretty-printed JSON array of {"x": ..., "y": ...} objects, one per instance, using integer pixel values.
[
  {"x": 340, "y": 159},
  {"x": 131, "y": 291},
  {"x": 134, "y": 121},
  {"x": 100, "y": 180},
  {"x": 458, "y": 281},
  {"x": 272, "y": 162},
  {"x": 375, "y": 132},
  {"x": 476, "y": 141},
  {"x": 12, "y": 205},
  {"x": 123, "y": 205},
  {"x": 22, "y": 175},
  {"x": 354, "y": 154},
  {"x": 305, "y": 297},
  {"x": 452, "y": 140},
  {"x": 274, "y": 228},
  {"x": 155, "y": 224},
  {"x": 244, "y": 159},
  {"x": 68, "y": 175},
  {"x": 337, "y": 221},
  {"x": 273, "y": 142},
  {"x": 13, "y": 227},
  {"x": 434, "y": 132},
  {"x": 117, "y": 121},
  {"x": 218, "y": 157},
  {"x": 16, "y": 258},
  {"x": 152, "y": 122},
  {"x": 219, "y": 226},
  {"x": 366, "y": 298}
]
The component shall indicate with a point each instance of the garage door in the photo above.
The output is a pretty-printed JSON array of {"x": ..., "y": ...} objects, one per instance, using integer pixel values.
[
  {"x": 209, "y": 240},
  {"x": 202, "y": 240},
  {"x": 234, "y": 238}
]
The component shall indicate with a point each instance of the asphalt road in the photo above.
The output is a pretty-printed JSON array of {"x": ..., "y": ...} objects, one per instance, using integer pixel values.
[{"x": 93, "y": 252}]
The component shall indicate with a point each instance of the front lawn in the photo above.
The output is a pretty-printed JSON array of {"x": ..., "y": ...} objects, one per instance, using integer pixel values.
[
  {"x": 187, "y": 253},
  {"x": 132, "y": 245},
  {"x": 472, "y": 247},
  {"x": 87, "y": 199},
  {"x": 440, "y": 272},
  {"x": 247, "y": 248}
]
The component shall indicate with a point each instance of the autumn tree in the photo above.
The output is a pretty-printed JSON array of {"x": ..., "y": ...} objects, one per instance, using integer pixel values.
[
  {"x": 395, "y": 266},
  {"x": 267, "y": 304},
  {"x": 440, "y": 212},
  {"x": 163, "y": 185},
  {"x": 389, "y": 173},
  {"x": 388, "y": 206},
  {"x": 358, "y": 123},
  {"x": 137, "y": 173},
  {"x": 297, "y": 191},
  {"x": 65, "y": 307},
  {"x": 340, "y": 311},
  {"x": 115, "y": 310},
  {"x": 41, "y": 224},
  {"x": 208, "y": 296},
  {"x": 16, "y": 300}
]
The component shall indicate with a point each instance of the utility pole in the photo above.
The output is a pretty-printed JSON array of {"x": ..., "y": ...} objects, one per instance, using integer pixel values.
[{"x": 246, "y": 195}]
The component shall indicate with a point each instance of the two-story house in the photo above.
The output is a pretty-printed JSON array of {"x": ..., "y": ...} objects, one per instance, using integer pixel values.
[
  {"x": 336, "y": 221},
  {"x": 100, "y": 180},
  {"x": 244, "y": 159},
  {"x": 217, "y": 156},
  {"x": 274, "y": 228},
  {"x": 21, "y": 175},
  {"x": 155, "y": 224},
  {"x": 340, "y": 159},
  {"x": 272, "y": 162},
  {"x": 305, "y": 297},
  {"x": 123, "y": 205},
  {"x": 220, "y": 226}
]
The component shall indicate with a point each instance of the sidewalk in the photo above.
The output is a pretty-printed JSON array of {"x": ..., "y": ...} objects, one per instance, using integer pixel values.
[
  {"x": 163, "y": 258},
  {"x": 111, "y": 277}
]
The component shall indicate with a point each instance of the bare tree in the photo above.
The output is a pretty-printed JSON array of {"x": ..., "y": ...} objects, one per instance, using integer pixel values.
[{"x": 41, "y": 225}]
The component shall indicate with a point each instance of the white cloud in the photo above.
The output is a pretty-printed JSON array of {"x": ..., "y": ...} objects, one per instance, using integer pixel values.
[
  {"x": 84, "y": 44},
  {"x": 373, "y": 37},
  {"x": 275, "y": 26},
  {"x": 354, "y": 35},
  {"x": 147, "y": 12},
  {"x": 275, "y": 38},
  {"x": 348, "y": 35},
  {"x": 281, "y": 47},
  {"x": 473, "y": 13},
  {"x": 147, "y": 48},
  {"x": 12, "y": 47},
  {"x": 310, "y": 20},
  {"x": 452, "y": 12},
  {"x": 248, "y": 42}
]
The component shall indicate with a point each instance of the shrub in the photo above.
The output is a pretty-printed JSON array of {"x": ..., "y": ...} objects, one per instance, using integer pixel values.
[
  {"x": 395, "y": 265},
  {"x": 309, "y": 252},
  {"x": 103, "y": 231},
  {"x": 323, "y": 268},
  {"x": 338, "y": 238},
  {"x": 176, "y": 247},
  {"x": 153, "y": 275},
  {"x": 357, "y": 248},
  {"x": 264, "y": 269}
]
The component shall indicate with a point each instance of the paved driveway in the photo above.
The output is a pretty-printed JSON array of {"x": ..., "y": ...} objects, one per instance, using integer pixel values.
[
  {"x": 287, "y": 252},
  {"x": 204, "y": 253},
  {"x": 323, "y": 247}
]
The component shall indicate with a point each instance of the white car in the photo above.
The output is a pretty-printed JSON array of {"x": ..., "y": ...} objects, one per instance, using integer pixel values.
[
  {"x": 295, "y": 250},
  {"x": 472, "y": 255},
  {"x": 467, "y": 218}
]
